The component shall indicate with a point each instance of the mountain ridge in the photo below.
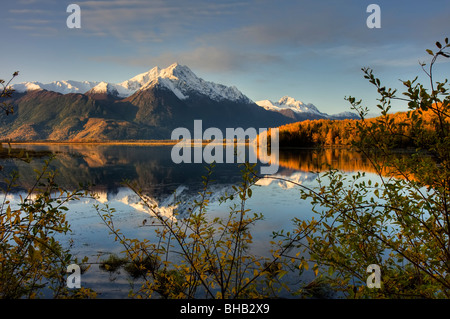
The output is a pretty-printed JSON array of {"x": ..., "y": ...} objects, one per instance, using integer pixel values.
[
  {"x": 179, "y": 78},
  {"x": 147, "y": 106}
]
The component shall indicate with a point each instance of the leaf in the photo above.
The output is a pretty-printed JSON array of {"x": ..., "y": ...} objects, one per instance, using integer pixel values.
[
  {"x": 304, "y": 264},
  {"x": 18, "y": 240},
  {"x": 331, "y": 271},
  {"x": 8, "y": 212},
  {"x": 439, "y": 45},
  {"x": 430, "y": 52}
]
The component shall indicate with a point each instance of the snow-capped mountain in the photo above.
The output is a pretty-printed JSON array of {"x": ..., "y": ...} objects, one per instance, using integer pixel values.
[
  {"x": 177, "y": 78},
  {"x": 184, "y": 84},
  {"x": 293, "y": 108},
  {"x": 289, "y": 103},
  {"x": 147, "y": 106}
]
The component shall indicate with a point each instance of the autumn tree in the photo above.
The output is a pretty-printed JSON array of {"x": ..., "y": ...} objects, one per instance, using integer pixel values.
[{"x": 399, "y": 221}]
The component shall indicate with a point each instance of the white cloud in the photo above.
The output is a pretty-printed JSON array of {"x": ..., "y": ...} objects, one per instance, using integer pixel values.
[{"x": 155, "y": 21}]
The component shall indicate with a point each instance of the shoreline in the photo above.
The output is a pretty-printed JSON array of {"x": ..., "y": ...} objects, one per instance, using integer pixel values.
[
  {"x": 159, "y": 143},
  {"x": 146, "y": 142},
  {"x": 112, "y": 143}
]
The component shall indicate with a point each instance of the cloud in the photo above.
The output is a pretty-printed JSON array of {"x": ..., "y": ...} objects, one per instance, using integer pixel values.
[
  {"x": 31, "y": 30},
  {"x": 28, "y": 11},
  {"x": 131, "y": 21},
  {"x": 209, "y": 59},
  {"x": 25, "y": 2},
  {"x": 155, "y": 21}
]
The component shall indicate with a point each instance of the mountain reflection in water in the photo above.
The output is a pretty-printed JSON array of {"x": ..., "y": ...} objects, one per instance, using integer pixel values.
[
  {"x": 151, "y": 167},
  {"x": 152, "y": 170}
]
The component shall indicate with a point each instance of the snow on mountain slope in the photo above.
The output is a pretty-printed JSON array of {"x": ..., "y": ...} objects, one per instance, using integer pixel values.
[
  {"x": 289, "y": 103},
  {"x": 183, "y": 82},
  {"x": 177, "y": 78},
  {"x": 128, "y": 87},
  {"x": 27, "y": 86},
  {"x": 104, "y": 87},
  {"x": 62, "y": 87}
]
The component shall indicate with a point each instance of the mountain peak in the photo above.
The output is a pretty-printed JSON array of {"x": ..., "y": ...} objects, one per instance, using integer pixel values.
[
  {"x": 183, "y": 82},
  {"x": 177, "y": 71},
  {"x": 104, "y": 88},
  {"x": 174, "y": 66}
]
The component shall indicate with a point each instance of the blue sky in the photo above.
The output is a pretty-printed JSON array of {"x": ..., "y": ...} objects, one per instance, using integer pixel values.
[{"x": 310, "y": 50}]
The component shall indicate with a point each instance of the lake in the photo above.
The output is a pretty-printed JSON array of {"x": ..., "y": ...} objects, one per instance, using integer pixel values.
[{"x": 151, "y": 168}]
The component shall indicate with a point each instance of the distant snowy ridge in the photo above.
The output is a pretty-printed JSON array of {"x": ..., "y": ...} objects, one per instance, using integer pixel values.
[
  {"x": 183, "y": 82},
  {"x": 289, "y": 103},
  {"x": 63, "y": 87},
  {"x": 177, "y": 78},
  {"x": 347, "y": 115}
]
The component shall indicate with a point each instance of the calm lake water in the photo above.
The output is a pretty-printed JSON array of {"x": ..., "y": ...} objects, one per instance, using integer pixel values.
[{"x": 152, "y": 169}]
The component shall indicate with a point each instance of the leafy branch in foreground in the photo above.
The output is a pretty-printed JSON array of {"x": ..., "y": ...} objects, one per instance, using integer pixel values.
[
  {"x": 32, "y": 261},
  {"x": 200, "y": 256},
  {"x": 398, "y": 219},
  {"x": 5, "y": 93}
]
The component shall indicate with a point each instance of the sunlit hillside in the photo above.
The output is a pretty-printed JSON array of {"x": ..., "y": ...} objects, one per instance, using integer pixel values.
[{"x": 314, "y": 133}]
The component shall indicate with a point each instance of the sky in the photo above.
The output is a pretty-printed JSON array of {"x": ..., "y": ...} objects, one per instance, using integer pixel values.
[{"x": 310, "y": 50}]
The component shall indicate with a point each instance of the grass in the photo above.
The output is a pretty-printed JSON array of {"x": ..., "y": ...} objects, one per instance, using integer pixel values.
[{"x": 135, "y": 269}]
